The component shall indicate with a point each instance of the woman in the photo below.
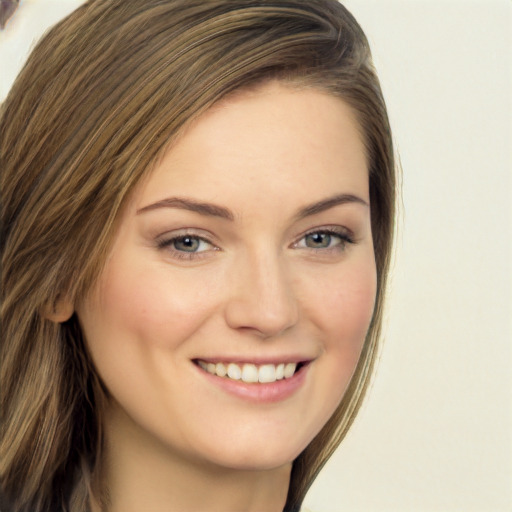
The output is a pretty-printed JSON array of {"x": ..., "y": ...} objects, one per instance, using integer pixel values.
[{"x": 198, "y": 204}]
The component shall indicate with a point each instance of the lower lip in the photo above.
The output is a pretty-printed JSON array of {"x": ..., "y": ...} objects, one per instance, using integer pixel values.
[{"x": 257, "y": 392}]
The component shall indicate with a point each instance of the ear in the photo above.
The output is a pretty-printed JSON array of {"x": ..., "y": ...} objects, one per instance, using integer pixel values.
[{"x": 60, "y": 310}]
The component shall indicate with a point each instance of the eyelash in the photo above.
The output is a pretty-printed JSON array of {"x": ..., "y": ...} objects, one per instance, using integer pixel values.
[
  {"x": 167, "y": 244},
  {"x": 341, "y": 233}
]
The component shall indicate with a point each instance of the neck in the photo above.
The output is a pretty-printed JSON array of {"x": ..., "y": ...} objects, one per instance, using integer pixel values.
[{"x": 140, "y": 473}]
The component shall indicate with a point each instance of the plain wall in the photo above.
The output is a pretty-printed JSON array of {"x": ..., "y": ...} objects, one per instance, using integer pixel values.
[{"x": 435, "y": 433}]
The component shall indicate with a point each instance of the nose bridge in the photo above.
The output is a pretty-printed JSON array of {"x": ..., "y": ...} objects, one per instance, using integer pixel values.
[{"x": 261, "y": 295}]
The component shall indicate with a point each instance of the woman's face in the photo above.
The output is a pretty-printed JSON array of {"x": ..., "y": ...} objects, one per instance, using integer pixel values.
[{"x": 249, "y": 250}]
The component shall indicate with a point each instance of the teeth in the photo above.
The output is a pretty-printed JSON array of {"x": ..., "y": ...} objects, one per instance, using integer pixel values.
[
  {"x": 267, "y": 373},
  {"x": 251, "y": 373},
  {"x": 234, "y": 371},
  {"x": 221, "y": 370},
  {"x": 289, "y": 370}
]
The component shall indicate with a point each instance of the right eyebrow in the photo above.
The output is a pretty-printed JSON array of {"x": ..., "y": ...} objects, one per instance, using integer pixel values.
[
  {"x": 330, "y": 202},
  {"x": 183, "y": 203}
]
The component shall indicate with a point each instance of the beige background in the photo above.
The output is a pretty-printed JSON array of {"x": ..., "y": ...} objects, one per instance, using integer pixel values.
[{"x": 436, "y": 431}]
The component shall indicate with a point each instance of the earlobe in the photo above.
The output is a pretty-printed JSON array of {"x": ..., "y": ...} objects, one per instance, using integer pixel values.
[{"x": 60, "y": 310}]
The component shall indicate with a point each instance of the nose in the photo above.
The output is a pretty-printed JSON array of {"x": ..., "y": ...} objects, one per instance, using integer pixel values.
[{"x": 261, "y": 297}]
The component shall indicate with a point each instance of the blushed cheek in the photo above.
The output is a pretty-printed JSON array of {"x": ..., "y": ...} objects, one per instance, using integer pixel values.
[
  {"x": 349, "y": 310},
  {"x": 145, "y": 308}
]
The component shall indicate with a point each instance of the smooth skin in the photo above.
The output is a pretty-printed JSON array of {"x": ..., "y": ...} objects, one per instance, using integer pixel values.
[{"x": 279, "y": 264}]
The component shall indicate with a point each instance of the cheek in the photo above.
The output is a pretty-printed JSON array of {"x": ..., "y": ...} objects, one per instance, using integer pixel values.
[
  {"x": 136, "y": 324},
  {"x": 342, "y": 301},
  {"x": 352, "y": 306},
  {"x": 343, "y": 314},
  {"x": 147, "y": 309}
]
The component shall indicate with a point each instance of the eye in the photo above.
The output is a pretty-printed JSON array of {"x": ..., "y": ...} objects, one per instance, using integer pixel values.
[
  {"x": 186, "y": 246},
  {"x": 189, "y": 243},
  {"x": 319, "y": 240},
  {"x": 325, "y": 239}
]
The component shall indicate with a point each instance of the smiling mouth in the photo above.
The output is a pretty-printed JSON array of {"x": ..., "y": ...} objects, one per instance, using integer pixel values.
[{"x": 251, "y": 373}]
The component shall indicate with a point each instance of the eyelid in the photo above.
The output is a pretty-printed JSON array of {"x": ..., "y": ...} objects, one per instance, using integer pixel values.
[
  {"x": 164, "y": 242},
  {"x": 341, "y": 231},
  {"x": 184, "y": 232}
]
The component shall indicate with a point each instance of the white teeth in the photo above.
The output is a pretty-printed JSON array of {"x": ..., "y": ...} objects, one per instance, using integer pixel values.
[
  {"x": 267, "y": 373},
  {"x": 250, "y": 373},
  {"x": 221, "y": 370},
  {"x": 289, "y": 370},
  {"x": 234, "y": 371}
]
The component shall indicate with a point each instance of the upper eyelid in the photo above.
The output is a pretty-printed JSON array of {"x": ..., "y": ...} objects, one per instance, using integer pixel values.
[
  {"x": 211, "y": 239},
  {"x": 334, "y": 229},
  {"x": 202, "y": 234},
  {"x": 165, "y": 243}
]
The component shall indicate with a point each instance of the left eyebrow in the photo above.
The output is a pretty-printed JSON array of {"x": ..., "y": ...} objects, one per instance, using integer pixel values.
[
  {"x": 329, "y": 203},
  {"x": 214, "y": 210},
  {"x": 183, "y": 203}
]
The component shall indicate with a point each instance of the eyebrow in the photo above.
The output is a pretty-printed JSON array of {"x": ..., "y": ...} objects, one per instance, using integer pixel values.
[
  {"x": 208, "y": 209},
  {"x": 213, "y": 210},
  {"x": 329, "y": 203}
]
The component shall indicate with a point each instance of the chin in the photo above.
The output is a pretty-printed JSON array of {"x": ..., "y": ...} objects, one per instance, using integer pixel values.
[
  {"x": 257, "y": 452},
  {"x": 251, "y": 460}
]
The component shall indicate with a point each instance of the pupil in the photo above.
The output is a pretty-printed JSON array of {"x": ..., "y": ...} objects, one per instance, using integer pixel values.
[
  {"x": 319, "y": 240},
  {"x": 187, "y": 243}
]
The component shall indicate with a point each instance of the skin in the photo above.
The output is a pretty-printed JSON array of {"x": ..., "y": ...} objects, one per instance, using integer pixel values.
[{"x": 256, "y": 287}]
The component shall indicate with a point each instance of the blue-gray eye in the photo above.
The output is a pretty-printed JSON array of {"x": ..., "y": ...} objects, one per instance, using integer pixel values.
[
  {"x": 187, "y": 243},
  {"x": 319, "y": 240},
  {"x": 324, "y": 239}
]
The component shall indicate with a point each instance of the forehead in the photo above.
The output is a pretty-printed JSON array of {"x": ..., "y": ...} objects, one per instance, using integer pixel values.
[{"x": 273, "y": 136}]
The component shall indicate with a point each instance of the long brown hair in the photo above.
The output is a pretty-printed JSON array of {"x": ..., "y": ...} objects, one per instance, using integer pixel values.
[{"x": 101, "y": 96}]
